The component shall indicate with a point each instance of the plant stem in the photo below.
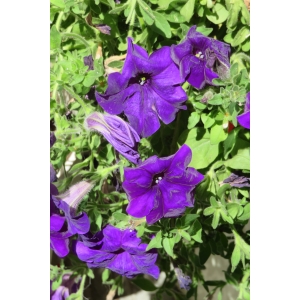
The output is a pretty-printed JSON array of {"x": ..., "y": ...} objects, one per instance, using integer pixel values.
[
  {"x": 77, "y": 37},
  {"x": 59, "y": 20},
  {"x": 60, "y": 71},
  {"x": 77, "y": 97},
  {"x": 132, "y": 20},
  {"x": 81, "y": 288}
]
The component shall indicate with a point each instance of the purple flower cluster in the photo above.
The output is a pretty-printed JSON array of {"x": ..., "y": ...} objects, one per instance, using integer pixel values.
[
  {"x": 147, "y": 92},
  {"x": 118, "y": 250}
]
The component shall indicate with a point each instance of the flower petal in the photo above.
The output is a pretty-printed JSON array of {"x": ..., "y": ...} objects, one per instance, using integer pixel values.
[
  {"x": 59, "y": 246},
  {"x": 244, "y": 119},
  {"x": 141, "y": 206}
]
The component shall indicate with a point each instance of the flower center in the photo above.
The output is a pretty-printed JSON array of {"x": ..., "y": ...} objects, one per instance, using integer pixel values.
[
  {"x": 199, "y": 54},
  {"x": 142, "y": 78},
  {"x": 157, "y": 178}
]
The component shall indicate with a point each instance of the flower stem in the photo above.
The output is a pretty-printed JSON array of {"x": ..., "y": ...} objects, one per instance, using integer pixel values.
[
  {"x": 60, "y": 71},
  {"x": 81, "y": 288}
]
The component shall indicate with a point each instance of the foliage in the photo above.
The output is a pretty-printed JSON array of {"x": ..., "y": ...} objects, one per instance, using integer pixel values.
[{"x": 220, "y": 147}]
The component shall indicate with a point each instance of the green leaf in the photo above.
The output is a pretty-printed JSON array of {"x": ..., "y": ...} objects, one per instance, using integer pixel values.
[
  {"x": 188, "y": 219},
  {"x": 204, "y": 254},
  {"x": 90, "y": 78},
  {"x": 120, "y": 216},
  {"x": 118, "y": 9},
  {"x": 161, "y": 25},
  {"x": 203, "y": 152},
  {"x": 105, "y": 275},
  {"x": 144, "y": 284},
  {"x": 241, "y": 35},
  {"x": 188, "y": 10},
  {"x": 216, "y": 100},
  {"x": 55, "y": 38},
  {"x": 246, "y": 214},
  {"x": 168, "y": 244},
  {"x": 223, "y": 189},
  {"x": 233, "y": 14},
  {"x": 245, "y": 12},
  {"x": 146, "y": 11},
  {"x": 174, "y": 17},
  {"x": 155, "y": 242},
  {"x": 216, "y": 219},
  {"x": 209, "y": 211},
  {"x": 195, "y": 231},
  {"x": 217, "y": 134},
  {"x": 194, "y": 118},
  {"x": 185, "y": 235},
  {"x": 225, "y": 216},
  {"x": 208, "y": 120},
  {"x": 218, "y": 14},
  {"x": 58, "y": 3},
  {"x": 240, "y": 161},
  {"x": 233, "y": 209},
  {"x": 230, "y": 141},
  {"x": 204, "y": 30},
  {"x": 235, "y": 257}
]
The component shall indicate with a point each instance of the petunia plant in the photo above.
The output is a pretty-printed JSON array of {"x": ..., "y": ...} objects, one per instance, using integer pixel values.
[{"x": 149, "y": 148}]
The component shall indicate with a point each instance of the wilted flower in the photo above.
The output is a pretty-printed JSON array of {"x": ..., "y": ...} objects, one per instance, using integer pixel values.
[
  {"x": 88, "y": 61},
  {"x": 147, "y": 90},
  {"x": 118, "y": 132},
  {"x": 63, "y": 227},
  {"x": 118, "y": 250},
  {"x": 201, "y": 59},
  {"x": 184, "y": 280},
  {"x": 237, "y": 181},
  {"x": 244, "y": 119},
  {"x": 103, "y": 28},
  {"x": 69, "y": 285},
  {"x": 161, "y": 187}
]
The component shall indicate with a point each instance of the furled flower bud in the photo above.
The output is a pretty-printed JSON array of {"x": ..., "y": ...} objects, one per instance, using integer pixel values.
[{"x": 117, "y": 132}]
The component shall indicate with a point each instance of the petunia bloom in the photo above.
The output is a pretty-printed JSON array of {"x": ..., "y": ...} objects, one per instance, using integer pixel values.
[
  {"x": 148, "y": 90},
  {"x": 161, "y": 187},
  {"x": 69, "y": 285},
  {"x": 62, "y": 227},
  {"x": 244, "y": 119},
  {"x": 201, "y": 59},
  {"x": 118, "y": 133},
  {"x": 184, "y": 280},
  {"x": 119, "y": 250}
]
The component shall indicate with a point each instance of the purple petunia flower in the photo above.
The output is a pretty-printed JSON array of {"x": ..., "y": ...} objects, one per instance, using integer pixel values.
[
  {"x": 201, "y": 59},
  {"x": 69, "y": 285},
  {"x": 118, "y": 133},
  {"x": 244, "y": 119},
  {"x": 184, "y": 280},
  {"x": 119, "y": 250},
  {"x": 147, "y": 90},
  {"x": 63, "y": 227},
  {"x": 161, "y": 187},
  {"x": 237, "y": 181}
]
